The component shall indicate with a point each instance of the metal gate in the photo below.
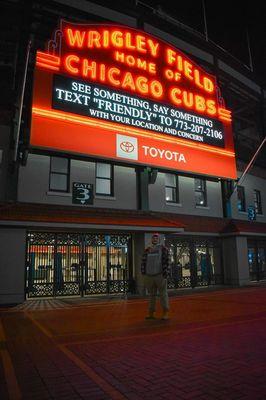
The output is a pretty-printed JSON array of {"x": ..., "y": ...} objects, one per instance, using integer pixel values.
[
  {"x": 195, "y": 261},
  {"x": 67, "y": 264}
]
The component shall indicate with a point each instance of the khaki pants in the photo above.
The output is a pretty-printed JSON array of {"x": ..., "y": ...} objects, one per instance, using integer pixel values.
[{"x": 153, "y": 284}]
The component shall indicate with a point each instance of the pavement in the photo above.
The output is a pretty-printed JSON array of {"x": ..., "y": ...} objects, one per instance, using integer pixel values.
[{"x": 213, "y": 347}]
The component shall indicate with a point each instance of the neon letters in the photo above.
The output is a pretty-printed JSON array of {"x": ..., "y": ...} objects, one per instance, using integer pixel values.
[{"x": 135, "y": 62}]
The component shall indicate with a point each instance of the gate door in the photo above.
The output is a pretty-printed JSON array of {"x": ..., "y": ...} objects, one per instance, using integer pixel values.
[
  {"x": 194, "y": 262},
  {"x": 262, "y": 261},
  {"x": 67, "y": 264},
  {"x": 40, "y": 264},
  {"x": 257, "y": 260},
  {"x": 53, "y": 264},
  {"x": 106, "y": 263}
]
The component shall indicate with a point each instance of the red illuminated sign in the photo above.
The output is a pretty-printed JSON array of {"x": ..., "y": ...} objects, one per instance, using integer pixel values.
[{"x": 105, "y": 81}]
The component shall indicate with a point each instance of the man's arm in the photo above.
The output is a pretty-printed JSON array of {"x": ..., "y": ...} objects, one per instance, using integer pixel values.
[
  {"x": 144, "y": 261},
  {"x": 165, "y": 262}
]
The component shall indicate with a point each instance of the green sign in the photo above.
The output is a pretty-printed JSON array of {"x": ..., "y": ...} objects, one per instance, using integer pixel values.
[
  {"x": 82, "y": 193},
  {"x": 251, "y": 213}
]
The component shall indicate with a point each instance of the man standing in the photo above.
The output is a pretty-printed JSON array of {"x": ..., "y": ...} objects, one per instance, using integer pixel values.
[{"x": 155, "y": 268}]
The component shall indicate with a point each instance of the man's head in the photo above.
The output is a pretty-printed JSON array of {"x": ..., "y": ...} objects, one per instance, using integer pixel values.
[{"x": 155, "y": 239}]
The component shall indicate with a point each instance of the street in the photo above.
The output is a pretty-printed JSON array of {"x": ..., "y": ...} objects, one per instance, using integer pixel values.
[{"x": 213, "y": 347}]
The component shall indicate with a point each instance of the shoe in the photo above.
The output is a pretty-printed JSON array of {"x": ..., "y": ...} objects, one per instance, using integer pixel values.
[
  {"x": 150, "y": 316},
  {"x": 165, "y": 316}
]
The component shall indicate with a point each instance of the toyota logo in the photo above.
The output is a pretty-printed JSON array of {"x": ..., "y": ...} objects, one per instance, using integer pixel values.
[{"x": 127, "y": 147}]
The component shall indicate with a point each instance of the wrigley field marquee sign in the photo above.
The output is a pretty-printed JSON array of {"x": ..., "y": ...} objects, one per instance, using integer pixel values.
[{"x": 117, "y": 93}]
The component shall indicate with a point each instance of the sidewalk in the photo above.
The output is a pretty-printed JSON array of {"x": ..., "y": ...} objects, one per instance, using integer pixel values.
[{"x": 213, "y": 347}]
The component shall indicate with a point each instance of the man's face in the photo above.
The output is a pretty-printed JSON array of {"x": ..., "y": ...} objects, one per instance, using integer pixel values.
[{"x": 155, "y": 239}]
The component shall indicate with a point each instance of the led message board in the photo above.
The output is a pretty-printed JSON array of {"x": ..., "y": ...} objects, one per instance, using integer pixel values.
[{"x": 118, "y": 93}]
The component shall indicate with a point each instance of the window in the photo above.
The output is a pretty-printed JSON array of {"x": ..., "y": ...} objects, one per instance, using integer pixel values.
[
  {"x": 104, "y": 179},
  {"x": 171, "y": 188},
  {"x": 59, "y": 174},
  {"x": 241, "y": 201},
  {"x": 257, "y": 202},
  {"x": 200, "y": 192}
]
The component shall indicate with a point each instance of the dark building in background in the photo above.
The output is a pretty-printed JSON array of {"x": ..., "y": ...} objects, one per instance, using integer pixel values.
[{"x": 57, "y": 242}]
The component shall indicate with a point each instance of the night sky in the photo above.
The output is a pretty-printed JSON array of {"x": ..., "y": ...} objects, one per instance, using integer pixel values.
[{"x": 227, "y": 23}]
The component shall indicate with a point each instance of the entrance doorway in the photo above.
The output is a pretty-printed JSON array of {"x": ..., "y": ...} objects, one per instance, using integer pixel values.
[
  {"x": 67, "y": 264},
  {"x": 257, "y": 260},
  {"x": 194, "y": 262}
]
